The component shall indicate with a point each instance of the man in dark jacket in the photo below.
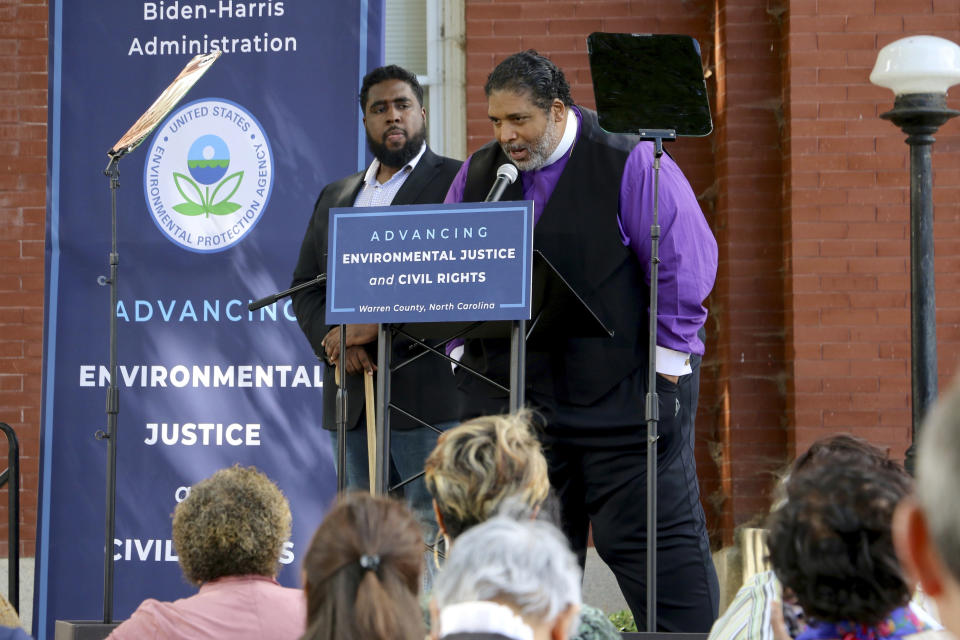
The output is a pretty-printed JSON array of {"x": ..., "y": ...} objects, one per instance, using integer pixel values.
[{"x": 404, "y": 171}]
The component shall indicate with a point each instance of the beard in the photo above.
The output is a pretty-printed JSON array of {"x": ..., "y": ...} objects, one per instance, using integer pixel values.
[
  {"x": 397, "y": 158},
  {"x": 538, "y": 151}
]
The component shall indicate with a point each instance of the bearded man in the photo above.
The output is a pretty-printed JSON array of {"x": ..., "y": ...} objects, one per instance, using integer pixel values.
[
  {"x": 593, "y": 205},
  {"x": 404, "y": 171}
]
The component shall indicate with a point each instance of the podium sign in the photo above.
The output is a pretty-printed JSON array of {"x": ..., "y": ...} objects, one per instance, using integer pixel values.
[{"x": 430, "y": 263}]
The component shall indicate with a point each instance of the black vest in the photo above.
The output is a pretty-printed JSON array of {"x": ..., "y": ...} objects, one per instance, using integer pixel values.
[{"x": 578, "y": 233}]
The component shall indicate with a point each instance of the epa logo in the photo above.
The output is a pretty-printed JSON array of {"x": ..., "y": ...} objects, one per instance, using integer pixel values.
[{"x": 208, "y": 175}]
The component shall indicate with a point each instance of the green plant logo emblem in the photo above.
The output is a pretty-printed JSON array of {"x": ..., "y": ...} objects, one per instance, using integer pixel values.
[
  {"x": 207, "y": 161},
  {"x": 208, "y": 175}
]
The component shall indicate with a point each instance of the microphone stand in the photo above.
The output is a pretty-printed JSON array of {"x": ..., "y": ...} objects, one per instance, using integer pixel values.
[
  {"x": 113, "y": 393},
  {"x": 262, "y": 302},
  {"x": 341, "y": 388},
  {"x": 652, "y": 399}
]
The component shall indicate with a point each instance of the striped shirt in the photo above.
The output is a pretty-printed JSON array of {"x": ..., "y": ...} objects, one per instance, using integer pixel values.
[
  {"x": 748, "y": 616},
  {"x": 374, "y": 194}
]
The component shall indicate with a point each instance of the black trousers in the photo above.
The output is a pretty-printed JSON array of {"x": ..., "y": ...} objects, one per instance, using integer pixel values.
[{"x": 602, "y": 480}]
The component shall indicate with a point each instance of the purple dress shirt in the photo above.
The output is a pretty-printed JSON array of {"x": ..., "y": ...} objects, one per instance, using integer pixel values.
[{"x": 688, "y": 250}]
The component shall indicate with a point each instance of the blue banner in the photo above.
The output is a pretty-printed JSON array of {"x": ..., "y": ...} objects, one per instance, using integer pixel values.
[
  {"x": 430, "y": 263},
  {"x": 212, "y": 209}
]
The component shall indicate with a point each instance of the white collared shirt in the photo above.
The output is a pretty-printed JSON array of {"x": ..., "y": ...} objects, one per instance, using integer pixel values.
[
  {"x": 374, "y": 194},
  {"x": 566, "y": 140}
]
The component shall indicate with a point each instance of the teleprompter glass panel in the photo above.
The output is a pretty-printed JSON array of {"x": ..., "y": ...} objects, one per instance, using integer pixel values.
[{"x": 649, "y": 81}]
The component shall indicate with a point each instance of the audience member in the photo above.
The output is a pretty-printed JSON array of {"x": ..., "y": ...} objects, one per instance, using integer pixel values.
[
  {"x": 510, "y": 580},
  {"x": 758, "y": 604},
  {"x": 479, "y": 465},
  {"x": 494, "y": 465},
  {"x": 831, "y": 547},
  {"x": 228, "y": 534},
  {"x": 927, "y": 528},
  {"x": 362, "y": 572}
]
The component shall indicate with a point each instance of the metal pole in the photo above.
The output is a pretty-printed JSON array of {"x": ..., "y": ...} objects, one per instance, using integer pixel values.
[
  {"x": 342, "y": 413},
  {"x": 919, "y": 116},
  {"x": 923, "y": 306},
  {"x": 653, "y": 401},
  {"x": 113, "y": 400},
  {"x": 384, "y": 349},
  {"x": 518, "y": 363}
]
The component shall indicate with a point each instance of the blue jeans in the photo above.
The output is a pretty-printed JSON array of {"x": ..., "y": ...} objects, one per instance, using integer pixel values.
[{"x": 409, "y": 449}]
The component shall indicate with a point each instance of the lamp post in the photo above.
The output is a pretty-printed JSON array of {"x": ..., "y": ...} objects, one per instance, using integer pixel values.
[{"x": 919, "y": 70}]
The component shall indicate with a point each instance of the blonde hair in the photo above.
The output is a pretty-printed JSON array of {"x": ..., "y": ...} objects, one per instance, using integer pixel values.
[{"x": 482, "y": 464}]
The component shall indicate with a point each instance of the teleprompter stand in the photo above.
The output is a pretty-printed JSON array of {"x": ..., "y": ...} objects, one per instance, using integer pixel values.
[
  {"x": 137, "y": 133},
  {"x": 652, "y": 86}
]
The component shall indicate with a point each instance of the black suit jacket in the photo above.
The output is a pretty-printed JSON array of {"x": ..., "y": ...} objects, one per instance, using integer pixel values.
[{"x": 424, "y": 388}]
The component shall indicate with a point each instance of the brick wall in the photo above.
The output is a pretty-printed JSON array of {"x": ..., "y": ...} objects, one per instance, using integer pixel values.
[
  {"x": 737, "y": 175},
  {"x": 847, "y": 215},
  {"x": 23, "y": 152},
  {"x": 748, "y": 423}
]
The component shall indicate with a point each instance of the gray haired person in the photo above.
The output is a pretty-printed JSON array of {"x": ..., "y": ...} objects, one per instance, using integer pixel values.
[
  {"x": 508, "y": 579},
  {"x": 926, "y": 527}
]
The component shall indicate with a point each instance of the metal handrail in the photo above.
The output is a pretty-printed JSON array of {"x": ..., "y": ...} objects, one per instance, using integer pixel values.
[{"x": 12, "y": 475}]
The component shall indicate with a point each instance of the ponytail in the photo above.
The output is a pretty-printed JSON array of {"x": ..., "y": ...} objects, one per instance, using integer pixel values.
[{"x": 363, "y": 572}]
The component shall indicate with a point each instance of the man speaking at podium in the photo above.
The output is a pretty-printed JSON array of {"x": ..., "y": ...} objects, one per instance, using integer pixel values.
[
  {"x": 404, "y": 171},
  {"x": 593, "y": 207}
]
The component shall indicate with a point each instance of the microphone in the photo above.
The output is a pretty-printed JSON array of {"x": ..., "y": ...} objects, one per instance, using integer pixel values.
[
  {"x": 506, "y": 176},
  {"x": 262, "y": 302}
]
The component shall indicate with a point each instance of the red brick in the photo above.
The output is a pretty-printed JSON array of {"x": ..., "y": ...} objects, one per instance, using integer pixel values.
[
  {"x": 548, "y": 43},
  {"x": 846, "y": 111},
  {"x": 855, "y": 179},
  {"x": 843, "y": 76},
  {"x": 902, "y": 7},
  {"x": 886, "y": 230},
  {"x": 819, "y": 162},
  {"x": 499, "y": 45},
  {"x": 851, "y": 385},
  {"x": 877, "y": 161},
  {"x": 849, "y": 351},
  {"x": 847, "y": 145},
  {"x": 945, "y": 7},
  {"x": 849, "y": 419},
  {"x": 844, "y": 41},
  {"x": 848, "y": 317},
  {"x": 878, "y": 196},
  {"x": 584, "y": 26},
  {"x": 542, "y": 10},
  {"x": 22, "y": 30},
  {"x": 519, "y": 27},
  {"x": 820, "y": 265},
  {"x": 874, "y": 23},
  {"x": 816, "y": 24},
  {"x": 599, "y": 10},
  {"x": 476, "y": 11},
  {"x": 479, "y": 27}
]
